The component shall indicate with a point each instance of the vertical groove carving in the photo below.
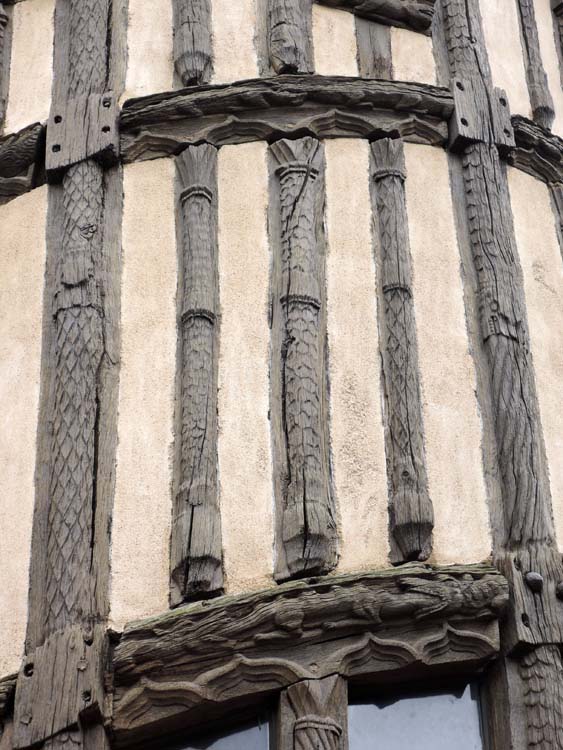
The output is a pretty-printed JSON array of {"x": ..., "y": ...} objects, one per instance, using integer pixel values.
[
  {"x": 374, "y": 49},
  {"x": 313, "y": 715},
  {"x": 540, "y": 96},
  {"x": 196, "y": 526},
  {"x": 410, "y": 508},
  {"x": 289, "y": 36},
  {"x": 192, "y": 41},
  {"x": 523, "y": 534},
  {"x": 306, "y": 530}
]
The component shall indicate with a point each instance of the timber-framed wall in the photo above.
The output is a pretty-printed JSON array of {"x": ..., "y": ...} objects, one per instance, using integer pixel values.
[{"x": 297, "y": 644}]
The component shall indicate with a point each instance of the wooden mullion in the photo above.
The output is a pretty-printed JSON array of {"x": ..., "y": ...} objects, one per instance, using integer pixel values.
[{"x": 374, "y": 49}]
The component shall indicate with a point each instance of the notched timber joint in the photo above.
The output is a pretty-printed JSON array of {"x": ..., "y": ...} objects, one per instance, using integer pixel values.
[
  {"x": 472, "y": 123},
  {"x": 85, "y": 127}
]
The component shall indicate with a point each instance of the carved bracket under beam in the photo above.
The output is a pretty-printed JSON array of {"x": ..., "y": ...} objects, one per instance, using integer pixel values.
[
  {"x": 84, "y": 128},
  {"x": 411, "y": 14},
  {"x": 182, "y": 666},
  {"x": 21, "y": 161}
]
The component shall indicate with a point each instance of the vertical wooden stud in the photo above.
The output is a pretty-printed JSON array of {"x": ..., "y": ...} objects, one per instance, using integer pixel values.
[
  {"x": 192, "y": 41},
  {"x": 4, "y": 59},
  {"x": 196, "y": 525},
  {"x": 528, "y": 688},
  {"x": 306, "y": 529},
  {"x": 313, "y": 714},
  {"x": 540, "y": 97},
  {"x": 410, "y": 508},
  {"x": 374, "y": 49},
  {"x": 289, "y": 30}
]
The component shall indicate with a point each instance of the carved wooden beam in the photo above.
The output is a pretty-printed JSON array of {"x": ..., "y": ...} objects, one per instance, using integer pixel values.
[
  {"x": 411, "y": 14},
  {"x": 289, "y": 31},
  {"x": 21, "y": 161},
  {"x": 189, "y": 664},
  {"x": 538, "y": 152},
  {"x": 306, "y": 525},
  {"x": 193, "y": 53},
  {"x": 314, "y": 714},
  {"x": 195, "y": 557},
  {"x": 410, "y": 509},
  {"x": 523, "y": 535},
  {"x": 540, "y": 97},
  {"x": 66, "y": 644},
  {"x": 265, "y": 109}
]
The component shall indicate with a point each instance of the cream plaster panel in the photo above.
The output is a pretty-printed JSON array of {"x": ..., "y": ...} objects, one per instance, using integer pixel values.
[
  {"x": 543, "y": 284},
  {"x": 22, "y": 254},
  {"x": 412, "y": 56},
  {"x": 143, "y": 506},
  {"x": 334, "y": 42},
  {"x": 245, "y": 463},
  {"x": 550, "y": 59},
  {"x": 150, "y": 64},
  {"x": 357, "y": 438},
  {"x": 504, "y": 48},
  {"x": 234, "y": 51},
  {"x": 450, "y": 411},
  {"x": 31, "y": 67}
]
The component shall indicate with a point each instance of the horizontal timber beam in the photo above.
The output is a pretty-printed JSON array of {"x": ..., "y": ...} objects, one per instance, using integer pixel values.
[
  {"x": 289, "y": 105},
  {"x": 173, "y": 670},
  {"x": 538, "y": 152},
  {"x": 411, "y": 14}
]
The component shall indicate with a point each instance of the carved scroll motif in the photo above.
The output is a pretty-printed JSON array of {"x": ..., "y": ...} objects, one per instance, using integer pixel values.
[
  {"x": 289, "y": 36},
  {"x": 540, "y": 96},
  {"x": 192, "y": 41},
  {"x": 523, "y": 534},
  {"x": 410, "y": 508},
  {"x": 196, "y": 526},
  {"x": 306, "y": 531},
  {"x": 313, "y": 715}
]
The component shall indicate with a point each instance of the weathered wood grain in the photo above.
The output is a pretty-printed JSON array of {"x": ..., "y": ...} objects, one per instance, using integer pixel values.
[
  {"x": 21, "y": 161},
  {"x": 196, "y": 549},
  {"x": 523, "y": 536},
  {"x": 314, "y": 714},
  {"x": 267, "y": 109},
  {"x": 411, "y": 516},
  {"x": 306, "y": 525},
  {"x": 540, "y": 97},
  {"x": 193, "y": 52},
  {"x": 374, "y": 49},
  {"x": 289, "y": 32},
  {"x": 537, "y": 151},
  {"x": 5, "y": 49},
  {"x": 189, "y": 664},
  {"x": 411, "y": 14},
  {"x": 66, "y": 641}
]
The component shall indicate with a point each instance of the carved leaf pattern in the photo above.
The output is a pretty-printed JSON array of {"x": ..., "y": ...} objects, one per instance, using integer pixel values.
[
  {"x": 78, "y": 352},
  {"x": 541, "y": 671},
  {"x": 410, "y": 508},
  {"x": 308, "y": 526},
  {"x": 88, "y": 52}
]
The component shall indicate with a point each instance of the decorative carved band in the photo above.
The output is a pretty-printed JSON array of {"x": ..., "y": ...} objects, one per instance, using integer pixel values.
[
  {"x": 192, "y": 41},
  {"x": 306, "y": 528},
  {"x": 410, "y": 509},
  {"x": 540, "y": 96},
  {"x": 312, "y": 714},
  {"x": 195, "y": 556},
  {"x": 264, "y": 109},
  {"x": 178, "y": 667}
]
